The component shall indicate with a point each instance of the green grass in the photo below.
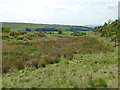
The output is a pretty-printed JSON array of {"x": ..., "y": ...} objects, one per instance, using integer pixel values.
[
  {"x": 20, "y": 54},
  {"x": 83, "y": 71},
  {"x": 23, "y": 26},
  {"x": 84, "y": 62}
]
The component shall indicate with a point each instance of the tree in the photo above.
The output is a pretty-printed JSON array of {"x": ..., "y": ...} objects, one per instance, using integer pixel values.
[
  {"x": 83, "y": 33},
  {"x": 111, "y": 30},
  {"x": 109, "y": 21},
  {"x": 105, "y": 24},
  {"x": 27, "y": 29},
  {"x": 59, "y": 31},
  {"x": 75, "y": 34},
  {"x": 114, "y": 39},
  {"x": 40, "y": 31}
]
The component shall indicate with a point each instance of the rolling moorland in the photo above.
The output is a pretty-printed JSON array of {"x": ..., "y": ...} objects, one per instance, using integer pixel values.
[
  {"x": 35, "y": 59},
  {"x": 44, "y": 27}
]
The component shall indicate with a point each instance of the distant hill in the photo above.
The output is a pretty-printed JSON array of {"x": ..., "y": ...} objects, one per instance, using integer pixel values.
[
  {"x": 33, "y": 27},
  {"x": 93, "y": 25}
]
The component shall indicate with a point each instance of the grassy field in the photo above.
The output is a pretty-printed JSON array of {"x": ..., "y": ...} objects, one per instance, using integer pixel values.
[
  {"x": 23, "y": 26},
  {"x": 39, "y": 51},
  {"x": 60, "y": 62},
  {"x": 83, "y": 71}
]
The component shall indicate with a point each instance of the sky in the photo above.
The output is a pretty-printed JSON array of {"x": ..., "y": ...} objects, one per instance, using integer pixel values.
[
  {"x": 119, "y": 10},
  {"x": 67, "y": 12}
]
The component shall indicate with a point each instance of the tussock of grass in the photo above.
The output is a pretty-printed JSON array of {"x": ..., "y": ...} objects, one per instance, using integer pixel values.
[
  {"x": 84, "y": 62},
  {"x": 80, "y": 72},
  {"x": 18, "y": 55}
]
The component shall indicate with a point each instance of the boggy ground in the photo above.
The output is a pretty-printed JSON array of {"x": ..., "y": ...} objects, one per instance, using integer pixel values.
[
  {"x": 20, "y": 54},
  {"x": 68, "y": 62}
]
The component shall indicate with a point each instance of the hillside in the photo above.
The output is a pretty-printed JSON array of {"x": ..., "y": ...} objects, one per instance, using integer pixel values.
[
  {"x": 31, "y": 26},
  {"x": 111, "y": 30}
]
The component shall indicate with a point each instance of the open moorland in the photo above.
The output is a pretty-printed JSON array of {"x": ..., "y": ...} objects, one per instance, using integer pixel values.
[{"x": 39, "y": 60}]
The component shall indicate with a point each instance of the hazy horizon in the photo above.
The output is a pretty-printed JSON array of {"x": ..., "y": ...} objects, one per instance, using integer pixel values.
[{"x": 65, "y": 12}]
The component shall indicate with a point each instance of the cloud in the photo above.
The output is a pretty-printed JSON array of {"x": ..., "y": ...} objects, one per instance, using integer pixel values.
[
  {"x": 111, "y": 5},
  {"x": 58, "y": 11}
]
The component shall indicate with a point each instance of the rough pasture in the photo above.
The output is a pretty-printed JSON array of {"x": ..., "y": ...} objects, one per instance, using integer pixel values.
[{"x": 33, "y": 54}]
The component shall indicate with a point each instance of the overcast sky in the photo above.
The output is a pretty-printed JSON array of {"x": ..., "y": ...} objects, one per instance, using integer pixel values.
[{"x": 71, "y": 12}]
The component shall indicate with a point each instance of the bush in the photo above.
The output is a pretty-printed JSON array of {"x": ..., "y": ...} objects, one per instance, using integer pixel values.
[
  {"x": 29, "y": 38},
  {"x": 5, "y": 37},
  {"x": 41, "y": 35},
  {"x": 75, "y": 34},
  {"x": 28, "y": 30},
  {"x": 22, "y": 33},
  {"x": 83, "y": 33},
  {"x": 110, "y": 29},
  {"x": 5, "y": 29},
  {"x": 59, "y": 31},
  {"x": 19, "y": 38},
  {"x": 14, "y": 34}
]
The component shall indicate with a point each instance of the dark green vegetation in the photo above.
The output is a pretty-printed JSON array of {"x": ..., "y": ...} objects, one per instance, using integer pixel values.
[
  {"x": 5, "y": 29},
  {"x": 78, "y": 34},
  {"x": 60, "y": 31},
  {"x": 24, "y": 36},
  {"x": 110, "y": 29},
  {"x": 44, "y": 27}
]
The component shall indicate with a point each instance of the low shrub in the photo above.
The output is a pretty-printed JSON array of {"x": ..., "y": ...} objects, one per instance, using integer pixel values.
[
  {"x": 42, "y": 52},
  {"x": 19, "y": 38},
  {"x": 41, "y": 34},
  {"x": 22, "y": 33},
  {"x": 14, "y": 34},
  {"x": 5, "y": 37}
]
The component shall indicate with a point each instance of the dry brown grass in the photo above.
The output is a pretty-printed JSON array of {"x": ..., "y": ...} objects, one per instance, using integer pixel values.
[{"x": 18, "y": 55}]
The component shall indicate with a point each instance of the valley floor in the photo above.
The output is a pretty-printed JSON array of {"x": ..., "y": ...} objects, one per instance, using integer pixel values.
[{"x": 82, "y": 71}]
